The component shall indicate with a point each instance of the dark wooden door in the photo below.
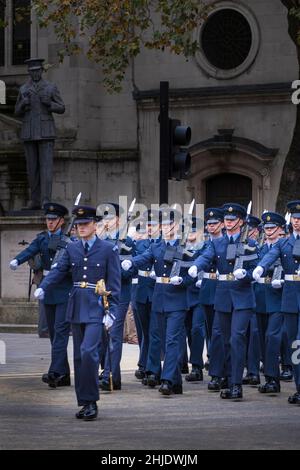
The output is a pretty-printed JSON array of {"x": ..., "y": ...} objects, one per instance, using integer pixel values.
[{"x": 228, "y": 187}]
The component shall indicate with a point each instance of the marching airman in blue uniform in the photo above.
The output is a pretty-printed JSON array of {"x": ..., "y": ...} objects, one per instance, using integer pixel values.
[
  {"x": 253, "y": 347},
  {"x": 111, "y": 213},
  {"x": 268, "y": 306},
  {"x": 214, "y": 220},
  {"x": 195, "y": 322},
  {"x": 234, "y": 301},
  {"x": 139, "y": 235},
  {"x": 169, "y": 305},
  {"x": 288, "y": 251},
  {"x": 90, "y": 261},
  {"x": 55, "y": 302},
  {"x": 145, "y": 287}
]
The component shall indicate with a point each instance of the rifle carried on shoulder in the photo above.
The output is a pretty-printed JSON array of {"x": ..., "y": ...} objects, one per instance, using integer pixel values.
[
  {"x": 278, "y": 269},
  {"x": 61, "y": 243},
  {"x": 175, "y": 254},
  {"x": 121, "y": 244},
  {"x": 242, "y": 246}
]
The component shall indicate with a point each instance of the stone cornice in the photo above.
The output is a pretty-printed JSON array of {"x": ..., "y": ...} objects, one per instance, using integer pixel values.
[{"x": 220, "y": 95}]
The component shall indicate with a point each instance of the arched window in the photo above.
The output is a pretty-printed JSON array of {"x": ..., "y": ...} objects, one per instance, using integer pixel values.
[{"x": 228, "y": 187}]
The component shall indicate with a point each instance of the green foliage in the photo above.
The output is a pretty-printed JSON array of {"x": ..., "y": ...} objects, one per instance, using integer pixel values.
[{"x": 117, "y": 30}]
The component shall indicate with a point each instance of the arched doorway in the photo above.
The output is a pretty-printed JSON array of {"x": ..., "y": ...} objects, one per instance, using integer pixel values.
[{"x": 228, "y": 187}]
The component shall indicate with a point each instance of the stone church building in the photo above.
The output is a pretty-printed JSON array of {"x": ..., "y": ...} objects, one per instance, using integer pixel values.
[{"x": 235, "y": 94}]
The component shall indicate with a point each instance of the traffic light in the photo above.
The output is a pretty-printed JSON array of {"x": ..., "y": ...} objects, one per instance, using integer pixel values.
[{"x": 179, "y": 158}]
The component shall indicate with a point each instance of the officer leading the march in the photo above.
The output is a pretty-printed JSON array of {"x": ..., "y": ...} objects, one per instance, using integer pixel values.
[
  {"x": 90, "y": 261},
  {"x": 56, "y": 299}
]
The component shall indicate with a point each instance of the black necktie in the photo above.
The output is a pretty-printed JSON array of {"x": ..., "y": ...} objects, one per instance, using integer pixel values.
[
  {"x": 298, "y": 237},
  {"x": 270, "y": 247},
  {"x": 86, "y": 247},
  {"x": 231, "y": 240}
]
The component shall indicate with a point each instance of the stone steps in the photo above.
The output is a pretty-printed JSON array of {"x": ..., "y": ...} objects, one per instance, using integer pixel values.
[
  {"x": 17, "y": 328},
  {"x": 18, "y": 316}
]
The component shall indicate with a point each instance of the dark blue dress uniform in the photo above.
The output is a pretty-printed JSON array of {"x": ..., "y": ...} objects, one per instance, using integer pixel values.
[
  {"x": 268, "y": 311},
  {"x": 215, "y": 343},
  {"x": 234, "y": 301},
  {"x": 143, "y": 299},
  {"x": 290, "y": 305},
  {"x": 169, "y": 305},
  {"x": 56, "y": 298},
  {"x": 253, "y": 345},
  {"x": 85, "y": 311},
  {"x": 110, "y": 210},
  {"x": 195, "y": 326},
  {"x": 195, "y": 322}
]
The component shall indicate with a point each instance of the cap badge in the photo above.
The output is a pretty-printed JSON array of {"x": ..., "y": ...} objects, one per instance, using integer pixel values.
[
  {"x": 230, "y": 209},
  {"x": 80, "y": 211},
  {"x": 211, "y": 214}
]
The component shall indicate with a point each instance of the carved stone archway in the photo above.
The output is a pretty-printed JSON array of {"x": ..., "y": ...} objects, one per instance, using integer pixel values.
[{"x": 225, "y": 153}]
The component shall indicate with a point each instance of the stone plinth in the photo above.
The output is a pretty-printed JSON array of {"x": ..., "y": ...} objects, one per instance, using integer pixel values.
[{"x": 15, "y": 235}]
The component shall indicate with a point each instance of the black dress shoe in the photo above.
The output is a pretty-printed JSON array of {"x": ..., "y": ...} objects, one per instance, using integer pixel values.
[
  {"x": 294, "y": 399},
  {"x": 90, "y": 412},
  {"x": 271, "y": 386},
  {"x": 254, "y": 379},
  {"x": 235, "y": 392},
  {"x": 64, "y": 381},
  {"x": 80, "y": 414},
  {"x": 224, "y": 383},
  {"x": 165, "y": 388},
  {"x": 251, "y": 379},
  {"x": 177, "y": 389},
  {"x": 286, "y": 374},
  {"x": 139, "y": 374},
  {"x": 153, "y": 380},
  {"x": 185, "y": 369},
  {"x": 196, "y": 375},
  {"x": 145, "y": 380},
  {"x": 56, "y": 380},
  {"x": 45, "y": 378},
  {"x": 215, "y": 384},
  {"x": 105, "y": 386}
]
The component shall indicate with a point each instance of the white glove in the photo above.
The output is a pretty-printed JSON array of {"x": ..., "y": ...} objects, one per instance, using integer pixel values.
[
  {"x": 39, "y": 293},
  {"x": 108, "y": 321},
  {"x": 126, "y": 264},
  {"x": 257, "y": 272},
  {"x": 152, "y": 275},
  {"x": 277, "y": 283},
  {"x": 198, "y": 283},
  {"x": 176, "y": 280},
  {"x": 14, "y": 264},
  {"x": 193, "y": 271},
  {"x": 239, "y": 273}
]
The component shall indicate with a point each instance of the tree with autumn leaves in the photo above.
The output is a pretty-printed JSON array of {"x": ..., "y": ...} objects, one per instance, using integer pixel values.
[{"x": 113, "y": 32}]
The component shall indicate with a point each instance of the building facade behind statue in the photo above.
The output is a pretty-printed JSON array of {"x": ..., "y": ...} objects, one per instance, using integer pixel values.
[{"x": 236, "y": 98}]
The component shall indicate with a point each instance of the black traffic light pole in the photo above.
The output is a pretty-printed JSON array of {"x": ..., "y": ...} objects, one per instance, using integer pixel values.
[{"x": 164, "y": 143}]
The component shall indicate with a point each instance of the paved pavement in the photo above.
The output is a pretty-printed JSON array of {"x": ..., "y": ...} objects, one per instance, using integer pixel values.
[{"x": 32, "y": 416}]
